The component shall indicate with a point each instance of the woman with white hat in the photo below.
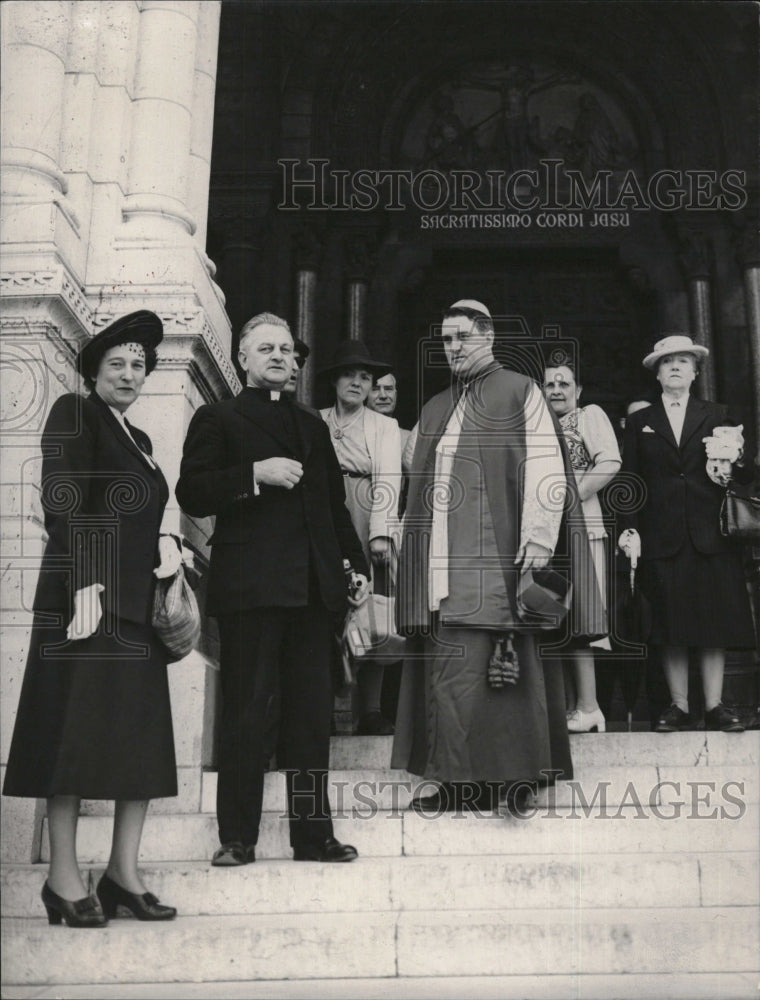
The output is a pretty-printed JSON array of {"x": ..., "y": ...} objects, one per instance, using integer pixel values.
[{"x": 685, "y": 450}]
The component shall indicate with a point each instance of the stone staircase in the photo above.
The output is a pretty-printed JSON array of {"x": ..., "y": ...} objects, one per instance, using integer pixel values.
[{"x": 640, "y": 878}]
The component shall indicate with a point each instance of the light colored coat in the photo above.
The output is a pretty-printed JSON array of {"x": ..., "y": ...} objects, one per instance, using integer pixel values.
[{"x": 384, "y": 446}]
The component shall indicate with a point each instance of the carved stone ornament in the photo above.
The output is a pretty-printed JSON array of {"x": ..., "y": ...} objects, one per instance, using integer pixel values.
[{"x": 508, "y": 115}]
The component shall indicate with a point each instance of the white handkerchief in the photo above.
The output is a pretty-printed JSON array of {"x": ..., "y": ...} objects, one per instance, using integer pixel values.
[{"x": 647, "y": 430}]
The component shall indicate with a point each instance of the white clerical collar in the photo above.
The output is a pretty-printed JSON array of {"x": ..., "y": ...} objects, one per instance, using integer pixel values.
[{"x": 274, "y": 394}]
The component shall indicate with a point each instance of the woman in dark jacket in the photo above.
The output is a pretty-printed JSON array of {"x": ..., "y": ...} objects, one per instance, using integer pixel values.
[
  {"x": 94, "y": 717},
  {"x": 692, "y": 575}
]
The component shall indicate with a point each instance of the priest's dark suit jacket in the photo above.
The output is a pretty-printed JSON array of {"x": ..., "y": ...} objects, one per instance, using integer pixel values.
[{"x": 264, "y": 546}]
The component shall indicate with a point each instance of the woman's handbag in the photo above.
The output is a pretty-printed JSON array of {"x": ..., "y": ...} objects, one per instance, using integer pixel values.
[
  {"x": 740, "y": 513},
  {"x": 543, "y": 598},
  {"x": 176, "y": 616},
  {"x": 370, "y": 632}
]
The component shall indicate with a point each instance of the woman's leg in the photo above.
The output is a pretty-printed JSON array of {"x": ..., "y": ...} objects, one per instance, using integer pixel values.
[
  {"x": 585, "y": 680},
  {"x": 711, "y": 663},
  {"x": 129, "y": 817},
  {"x": 369, "y": 682},
  {"x": 571, "y": 689},
  {"x": 64, "y": 877},
  {"x": 675, "y": 666}
]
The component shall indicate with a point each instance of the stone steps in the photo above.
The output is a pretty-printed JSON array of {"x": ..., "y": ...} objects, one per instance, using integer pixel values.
[
  {"x": 693, "y": 748},
  {"x": 659, "y": 878},
  {"x": 382, "y": 944},
  {"x": 577, "y": 881},
  {"x": 629, "y": 829},
  {"x": 629, "y": 986},
  {"x": 356, "y": 792}
]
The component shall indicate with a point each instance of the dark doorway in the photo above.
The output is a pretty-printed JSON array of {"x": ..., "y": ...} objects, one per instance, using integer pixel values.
[{"x": 578, "y": 301}]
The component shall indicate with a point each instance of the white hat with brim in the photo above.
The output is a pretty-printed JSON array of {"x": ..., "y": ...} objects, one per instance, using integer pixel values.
[{"x": 674, "y": 343}]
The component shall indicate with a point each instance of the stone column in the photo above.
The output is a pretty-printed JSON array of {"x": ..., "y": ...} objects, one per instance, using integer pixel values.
[
  {"x": 359, "y": 260},
  {"x": 204, "y": 88},
  {"x": 164, "y": 90},
  {"x": 35, "y": 37},
  {"x": 308, "y": 252},
  {"x": 749, "y": 258},
  {"x": 243, "y": 264},
  {"x": 102, "y": 98},
  {"x": 34, "y": 359},
  {"x": 695, "y": 258}
]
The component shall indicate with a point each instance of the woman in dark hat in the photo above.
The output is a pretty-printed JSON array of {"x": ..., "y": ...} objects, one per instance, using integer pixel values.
[
  {"x": 368, "y": 446},
  {"x": 684, "y": 449},
  {"x": 94, "y": 717}
]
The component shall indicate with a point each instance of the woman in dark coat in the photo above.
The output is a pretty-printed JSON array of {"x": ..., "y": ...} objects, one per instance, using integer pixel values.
[
  {"x": 94, "y": 717},
  {"x": 691, "y": 574}
]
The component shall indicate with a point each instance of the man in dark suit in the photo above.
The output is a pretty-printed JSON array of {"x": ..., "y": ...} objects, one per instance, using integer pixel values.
[{"x": 266, "y": 468}]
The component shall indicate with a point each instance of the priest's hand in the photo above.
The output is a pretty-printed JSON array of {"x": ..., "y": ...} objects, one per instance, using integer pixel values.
[{"x": 285, "y": 472}]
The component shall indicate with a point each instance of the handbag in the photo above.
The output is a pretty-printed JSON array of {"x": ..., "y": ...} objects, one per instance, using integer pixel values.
[
  {"x": 370, "y": 632},
  {"x": 543, "y": 598},
  {"x": 740, "y": 513},
  {"x": 176, "y": 617}
]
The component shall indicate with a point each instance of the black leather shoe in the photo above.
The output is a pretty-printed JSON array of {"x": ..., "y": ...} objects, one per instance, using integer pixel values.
[
  {"x": 442, "y": 800},
  {"x": 672, "y": 720},
  {"x": 722, "y": 719},
  {"x": 374, "y": 724},
  {"x": 84, "y": 912},
  {"x": 330, "y": 850},
  {"x": 517, "y": 802},
  {"x": 250, "y": 853},
  {"x": 230, "y": 855},
  {"x": 144, "y": 906}
]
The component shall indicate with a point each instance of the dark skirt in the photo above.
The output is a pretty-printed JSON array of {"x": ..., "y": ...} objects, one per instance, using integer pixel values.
[
  {"x": 94, "y": 717},
  {"x": 698, "y": 600}
]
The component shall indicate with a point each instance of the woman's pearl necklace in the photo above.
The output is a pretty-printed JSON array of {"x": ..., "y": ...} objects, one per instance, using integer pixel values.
[{"x": 340, "y": 429}]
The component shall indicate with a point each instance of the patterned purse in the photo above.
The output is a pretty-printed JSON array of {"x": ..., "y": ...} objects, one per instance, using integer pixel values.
[{"x": 176, "y": 616}]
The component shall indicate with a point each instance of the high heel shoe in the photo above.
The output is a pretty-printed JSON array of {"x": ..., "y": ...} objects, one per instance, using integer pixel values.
[
  {"x": 144, "y": 907},
  {"x": 84, "y": 912},
  {"x": 586, "y": 722}
]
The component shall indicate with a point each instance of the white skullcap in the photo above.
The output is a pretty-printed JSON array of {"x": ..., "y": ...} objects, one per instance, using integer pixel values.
[{"x": 471, "y": 304}]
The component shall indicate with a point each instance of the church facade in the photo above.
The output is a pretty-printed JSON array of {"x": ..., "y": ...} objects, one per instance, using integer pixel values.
[{"x": 587, "y": 170}]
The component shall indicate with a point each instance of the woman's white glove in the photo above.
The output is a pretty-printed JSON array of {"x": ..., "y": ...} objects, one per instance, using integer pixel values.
[
  {"x": 170, "y": 555},
  {"x": 87, "y": 612},
  {"x": 630, "y": 543},
  {"x": 725, "y": 443}
]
